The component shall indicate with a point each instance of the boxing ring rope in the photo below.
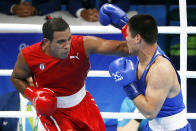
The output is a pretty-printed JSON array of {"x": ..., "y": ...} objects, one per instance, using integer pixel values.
[
  {"x": 103, "y": 73},
  {"x": 32, "y": 28},
  {"x": 106, "y": 115},
  {"x": 183, "y": 30}
]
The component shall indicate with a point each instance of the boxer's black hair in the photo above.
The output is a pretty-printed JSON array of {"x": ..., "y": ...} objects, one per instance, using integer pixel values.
[
  {"x": 53, "y": 24},
  {"x": 146, "y": 26}
]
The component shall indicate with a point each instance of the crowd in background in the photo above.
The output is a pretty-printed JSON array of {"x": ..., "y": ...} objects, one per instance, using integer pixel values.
[{"x": 87, "y": 9}]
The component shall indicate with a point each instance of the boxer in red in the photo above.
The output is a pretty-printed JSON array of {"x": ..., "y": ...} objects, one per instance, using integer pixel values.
[{"x": 59, "y": 65}]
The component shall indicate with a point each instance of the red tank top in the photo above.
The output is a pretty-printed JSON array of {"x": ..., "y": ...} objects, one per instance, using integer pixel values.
[{"x": 64, "y": 77}]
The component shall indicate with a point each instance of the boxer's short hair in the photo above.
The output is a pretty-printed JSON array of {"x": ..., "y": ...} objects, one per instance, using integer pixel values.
[
  {"x": 146, "y": 26},
  {"x": 52, "y": 25}
]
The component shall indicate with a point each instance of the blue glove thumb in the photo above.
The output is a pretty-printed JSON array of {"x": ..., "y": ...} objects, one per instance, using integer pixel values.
[{"x": 131, "y": 90}]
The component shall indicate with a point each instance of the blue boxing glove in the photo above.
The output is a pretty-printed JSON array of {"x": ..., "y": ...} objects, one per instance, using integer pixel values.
[
  {"x": 123, "y": 71},
  {"x": 111, "y": 14}
]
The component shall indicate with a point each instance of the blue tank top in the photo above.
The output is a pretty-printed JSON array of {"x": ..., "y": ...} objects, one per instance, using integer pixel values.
[{"x": 171, "y": 105}]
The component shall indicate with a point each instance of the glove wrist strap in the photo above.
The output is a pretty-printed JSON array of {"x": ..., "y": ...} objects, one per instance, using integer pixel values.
[{"x": 131, "y": 90}]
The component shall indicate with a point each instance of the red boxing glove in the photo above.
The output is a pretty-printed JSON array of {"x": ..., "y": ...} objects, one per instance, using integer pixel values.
[
  {"x": 42, "y": 99},
  {"x": 124, "y": 31}
]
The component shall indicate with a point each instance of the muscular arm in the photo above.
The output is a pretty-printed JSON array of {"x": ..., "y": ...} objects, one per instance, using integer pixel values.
[
  {"x": 20, "y": 74},
  {"x": 95, "y": 45},
  {"x": 159, "y": 82}
]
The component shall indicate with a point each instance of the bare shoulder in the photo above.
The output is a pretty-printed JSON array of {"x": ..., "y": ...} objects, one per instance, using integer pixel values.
[
  {"x": 20, "y": 58},
  {"x": 161, "y": 72},
  {"x": 162, "y": 65},
  {"x": 21, "y": 63}
]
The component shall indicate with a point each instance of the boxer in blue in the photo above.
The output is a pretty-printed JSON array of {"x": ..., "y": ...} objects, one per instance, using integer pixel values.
[{"x": 147, "y": 76}]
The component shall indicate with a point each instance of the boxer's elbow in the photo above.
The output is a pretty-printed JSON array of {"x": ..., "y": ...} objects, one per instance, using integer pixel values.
[
  {"x": 151, "y": 111},
  {"x": 12, "y": 78},
  {"x": 150, "y": 116}
]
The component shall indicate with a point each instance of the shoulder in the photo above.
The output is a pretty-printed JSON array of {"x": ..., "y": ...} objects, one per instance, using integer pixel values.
[
  {"x": 162, "y": 66},
  {"x": 77, "y": 45},
  {"x": 161, "y": 71},
  {"x": 76, "y": 39},
  {"x": 31, "y": 48},
  {"x": 21, "y": 67}
]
